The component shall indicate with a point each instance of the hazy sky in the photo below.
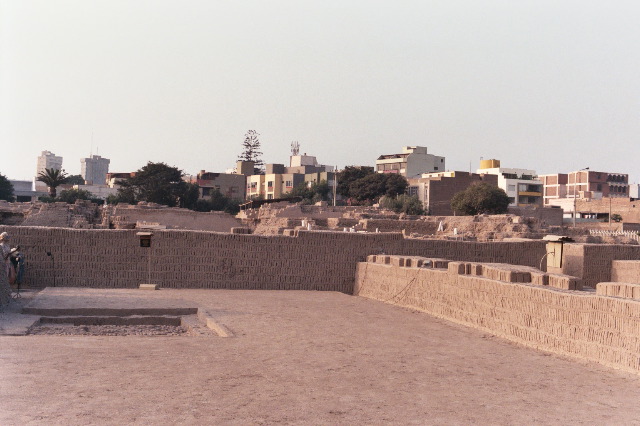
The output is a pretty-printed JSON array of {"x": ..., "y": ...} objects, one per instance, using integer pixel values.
[{"x": 548, "y": 85}]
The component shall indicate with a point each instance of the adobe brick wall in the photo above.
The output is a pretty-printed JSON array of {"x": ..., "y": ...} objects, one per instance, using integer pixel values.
[
  {"x": 579, "y": 324},
  {"x": 178, "y": 218},
  {"x": 625, "y": 271},
  {"x": 198, "y": 259},
  {"x": 593, "y": 262}
]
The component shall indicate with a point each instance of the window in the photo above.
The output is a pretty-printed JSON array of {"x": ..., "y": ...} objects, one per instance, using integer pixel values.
[
  {"x": 511, "y": 188},
  {"x": 269, "y": 196},
  {"x": 206, "y": 192},
  {"x": 435, "y": 168},
  {"x": 270, "y": 184},
  {"x": 288, "y": 184},
  {"x": 413, "y": 190},
  {"x": 599, "y": 186}
]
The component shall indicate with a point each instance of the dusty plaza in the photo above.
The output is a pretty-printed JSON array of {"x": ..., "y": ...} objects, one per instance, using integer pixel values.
[{"x": 300, "y": 357}]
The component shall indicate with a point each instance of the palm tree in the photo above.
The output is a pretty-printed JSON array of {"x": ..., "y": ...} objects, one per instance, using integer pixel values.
[{"x": 52, "y": 178}]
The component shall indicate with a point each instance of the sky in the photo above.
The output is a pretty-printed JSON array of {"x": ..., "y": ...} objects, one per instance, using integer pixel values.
[{"x": 546, "y": 85}]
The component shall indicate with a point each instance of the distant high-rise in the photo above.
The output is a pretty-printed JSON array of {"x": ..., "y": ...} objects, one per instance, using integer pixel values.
[
  {"x": 47, "y": 160},
  {"x": 94, "y": 169}
]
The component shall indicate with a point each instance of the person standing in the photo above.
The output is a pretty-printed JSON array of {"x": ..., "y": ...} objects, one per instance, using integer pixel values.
[{"x": 5, "y": 269}]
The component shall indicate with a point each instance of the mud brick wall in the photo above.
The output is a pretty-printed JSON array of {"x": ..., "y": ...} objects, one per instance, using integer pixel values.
[
  {"x": 527, "y": 253},
  {"x": 392, "y": 225},
  {"x": 593, "y": 262},
  {"x": 179, "y": 218},
  {"x": 625, "y": 271},
  {"x": 198, "y": 259},
  {"x": 574, "y": 323}
]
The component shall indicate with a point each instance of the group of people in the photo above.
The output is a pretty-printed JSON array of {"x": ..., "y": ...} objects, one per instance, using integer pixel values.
[{"x": 11, "y": 268}]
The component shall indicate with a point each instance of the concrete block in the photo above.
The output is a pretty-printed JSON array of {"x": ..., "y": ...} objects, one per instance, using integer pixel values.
[{"x": 149, "y": 287}]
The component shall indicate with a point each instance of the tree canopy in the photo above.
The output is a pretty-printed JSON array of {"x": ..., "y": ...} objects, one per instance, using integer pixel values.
[
  {"x": 349, "y": 175},
  {"x": 251, "y": 151},
  {"x": 311, "y": 193},
  {"x": 373, "y": 186},
  {"x": 71, "y": 195},
  {"x": 403, "y": 204},
  {"x": 480, "y": 198},
  {"x": 75, "y": 180},
  {"x": 6, "y": 189},
  {"x": 158, "y": 183},
  {"x": 53, "y": 178}
]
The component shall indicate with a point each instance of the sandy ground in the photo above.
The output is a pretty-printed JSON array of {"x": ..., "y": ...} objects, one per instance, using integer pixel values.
[{"x": 304, "y": 358}]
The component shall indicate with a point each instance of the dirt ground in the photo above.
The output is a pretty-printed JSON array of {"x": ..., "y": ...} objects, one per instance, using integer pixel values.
[{"x": 304, "y": 358}]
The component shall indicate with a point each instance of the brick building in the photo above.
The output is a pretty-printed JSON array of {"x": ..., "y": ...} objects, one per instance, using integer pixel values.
[
  {"x": 435, "y": 190},
  {"x": 585, "y": 184}
]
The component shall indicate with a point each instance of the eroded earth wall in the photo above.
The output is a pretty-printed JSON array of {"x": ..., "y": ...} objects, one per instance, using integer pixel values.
[
  {"x": 575, "y": 323},
  {"x": 197, "y": 259}
]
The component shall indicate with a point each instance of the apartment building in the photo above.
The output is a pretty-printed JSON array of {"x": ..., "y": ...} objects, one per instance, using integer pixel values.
[
  {"x": 94, "y": 170},
  {"x": 521, "y": 185},
  {"x": 585, "y": 184},
  {"x": 412, "y": 162},
  {"x": 279, "y": 179}
]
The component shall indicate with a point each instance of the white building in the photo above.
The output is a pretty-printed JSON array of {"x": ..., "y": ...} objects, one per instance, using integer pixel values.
[
  {"x": 94, "y": 169},
  {"x": 521, "y": 185},
  {"x": 411, "y": 163},
  {"x": 98, "y": 191},
  {"x": 46, "y": 160}
]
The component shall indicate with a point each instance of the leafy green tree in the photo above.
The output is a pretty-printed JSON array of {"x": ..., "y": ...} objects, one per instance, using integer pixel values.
[
  {"x": 371, "y": 187},
  {"x": 395, "y": 184},
  {"x": 403, "y": 204},
  {"x": 53, "y": 178},
  {"x": 251, "y": 151},
  {"x": 349, "y": 175},
  {"x": 71, "y": 195},
  {"x": 75, "y": 180},
  {"x": 190, "y": 195},
  {"x": 126, "y": 194},
  {"x": 301, "y": 190},
  {"x": 155, "y": 183},
  {"x": 311, "y": 194},
  {"x": 616, "y": 217},
  {"x": 217, "y": 202},
  {"x": 6, "y": 189},
  {"x": 480, "y": 198}
]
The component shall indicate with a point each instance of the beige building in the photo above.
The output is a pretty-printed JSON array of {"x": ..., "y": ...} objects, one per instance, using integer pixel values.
[
  {"x": 231, "y": 185},
  {"x": 279, "y": 180},
  {"x": 412, "y": 162}
]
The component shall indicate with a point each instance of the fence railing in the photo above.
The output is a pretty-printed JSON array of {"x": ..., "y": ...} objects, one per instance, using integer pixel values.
[{"x": 607, "y": 233}]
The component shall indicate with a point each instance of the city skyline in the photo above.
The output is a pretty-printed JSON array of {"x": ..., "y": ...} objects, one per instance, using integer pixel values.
[{"x": 541, "y": 85}]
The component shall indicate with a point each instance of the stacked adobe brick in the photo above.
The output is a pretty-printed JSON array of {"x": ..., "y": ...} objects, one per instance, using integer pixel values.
[{"x": 575, "y": 323}]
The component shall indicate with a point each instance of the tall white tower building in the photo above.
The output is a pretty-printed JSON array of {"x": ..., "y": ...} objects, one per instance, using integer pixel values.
[
  {"x": 46, "y": 160},
  {"x": 94, "y": 169}
]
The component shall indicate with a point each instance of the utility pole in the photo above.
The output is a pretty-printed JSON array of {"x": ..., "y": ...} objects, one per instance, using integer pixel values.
[
  {"x": 335, "y": 185},
  {"x": 575, "y": 176}
]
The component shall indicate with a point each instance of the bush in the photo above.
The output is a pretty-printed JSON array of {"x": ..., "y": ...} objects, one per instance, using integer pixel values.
[
  {"x": 403, "y": 204},
  {"x": 480, "y": 198}
]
